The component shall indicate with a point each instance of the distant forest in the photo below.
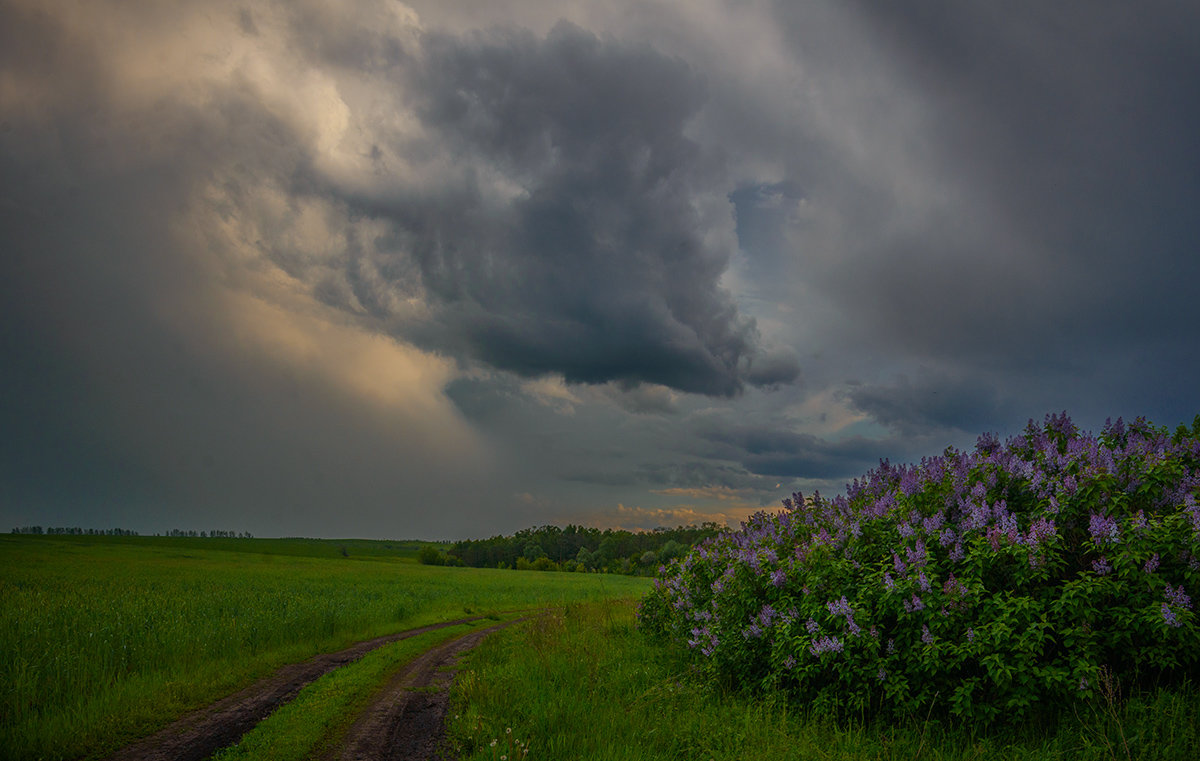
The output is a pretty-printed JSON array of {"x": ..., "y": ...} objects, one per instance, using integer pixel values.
[
  {"x": 77, "y": 531},
  {"x": 575, "y": 548}
]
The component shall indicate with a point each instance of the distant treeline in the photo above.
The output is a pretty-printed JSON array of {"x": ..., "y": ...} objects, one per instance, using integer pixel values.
[
  {"x": 77, "y": 531},
  {"x": 575, "y": 548},
  {"x": 74, "y": 531}
]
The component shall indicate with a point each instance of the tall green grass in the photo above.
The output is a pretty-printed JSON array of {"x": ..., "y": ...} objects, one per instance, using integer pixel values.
[
  {"x": 105, "y": 639},
  {"x": 584, "y": 684}
]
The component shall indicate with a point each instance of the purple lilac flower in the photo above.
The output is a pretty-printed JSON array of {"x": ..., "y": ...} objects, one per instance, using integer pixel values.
[
  {"x": 954, "y": 589},
  {"x": 1102, "y": 567},
  {"x": 913, "y": 605},
  {"x": 882, "y": 674},
  {"x": 1178, "y": 597},
  {"x": 926, "y": 635},
  {"x": 956, "y": 552},
  {"x": 923, "y": 581},
  {"x": 891, "y": 646},
  {"x": 778, "y": 577},
  {"x": 933, "y": 523},
  {"x": 839, "y": 607},
  {"x": 1152, "y": 565},
  {"x": 947, "y": 537},
  {"x": 812, "y": 626},
  {"x": 1191, "y": 507},
  {"x": 905, "y": 530},
  {"x": 752, "y": 631},
  {"x": 826, "y": 645},
  {"x": 1042, "y": 530},
  {"x": 1169, "y": 616},
  {"x": 917, "y": 555},
  {"x": 899, "y": 565},
  {"x": 1139, "y": 520},
  {"x": 888, "y": 581},
  {"x": 970, "y": 634},
  {"x": 994, "y": 535},
  {"x": 789, "y": 662},
  {"x": 1104, "y": 530},
  {"x": 1007, "y": 523}
]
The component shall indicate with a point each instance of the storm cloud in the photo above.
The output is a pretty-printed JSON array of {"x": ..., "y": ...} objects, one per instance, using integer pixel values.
[
  {"x": 452, "y": 269},
  {"x": 575, "y": 240}
]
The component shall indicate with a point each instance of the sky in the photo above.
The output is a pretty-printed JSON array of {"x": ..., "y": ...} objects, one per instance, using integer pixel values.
[{"x": 448, "y": 270}]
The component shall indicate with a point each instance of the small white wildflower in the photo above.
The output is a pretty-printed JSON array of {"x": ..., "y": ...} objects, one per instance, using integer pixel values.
[
  {"x": 508, "y": 731},
  {"x": 493, "y": 743}
]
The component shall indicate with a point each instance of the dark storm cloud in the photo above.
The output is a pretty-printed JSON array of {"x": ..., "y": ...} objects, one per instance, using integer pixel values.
[
  {"x": 933, "y": 403},
  {"x": 225, "y": 229},
  {"x": 774, "y": 451},
  {"x": 1013, "y": 190},
  {"x": 597, "y": 267}
]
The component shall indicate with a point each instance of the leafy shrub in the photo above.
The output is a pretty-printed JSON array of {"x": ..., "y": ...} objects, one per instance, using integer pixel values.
[
  {"x": 429, "y": 555},
  {"x": 986, "y": 584}
]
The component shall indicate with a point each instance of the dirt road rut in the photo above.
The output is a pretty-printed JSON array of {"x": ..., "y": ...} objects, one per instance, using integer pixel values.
[
  {"x": 200, "y": 734},
  {"x": 406, "y": 722}
]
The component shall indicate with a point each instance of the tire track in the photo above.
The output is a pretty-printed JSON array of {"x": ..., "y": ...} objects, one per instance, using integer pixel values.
[
  {"x": 406, "y": 721},
  {"x": 198, "y": 735}
]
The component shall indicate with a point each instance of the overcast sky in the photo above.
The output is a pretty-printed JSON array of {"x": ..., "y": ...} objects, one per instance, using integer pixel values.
[{"x": 446, "y": 270}]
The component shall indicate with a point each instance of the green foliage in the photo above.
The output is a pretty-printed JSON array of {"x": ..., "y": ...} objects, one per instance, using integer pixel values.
[
  {"x": 990, "y": 586},
  {"x": 430, "y": 555},
  {"x": 612, "y": 551},
  {"x": 583, "y": 684}
]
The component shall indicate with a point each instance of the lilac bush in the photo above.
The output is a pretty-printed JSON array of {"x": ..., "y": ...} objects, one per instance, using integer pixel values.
[{"x": 984, "y": 584}]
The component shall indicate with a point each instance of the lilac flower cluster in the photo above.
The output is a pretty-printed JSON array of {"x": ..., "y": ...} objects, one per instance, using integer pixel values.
[
  {"x": 922, "y": 554},
  {"x": 826, "y": 644},
  {"x": 1104, "y": 530}
]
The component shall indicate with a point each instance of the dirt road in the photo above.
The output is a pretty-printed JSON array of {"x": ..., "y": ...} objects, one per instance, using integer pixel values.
[
  {"x": 400, "y": 724},
  {"x": 406, "y": 722}
]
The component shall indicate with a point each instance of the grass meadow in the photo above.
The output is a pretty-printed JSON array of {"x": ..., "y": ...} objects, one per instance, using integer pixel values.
[
  {"x": 584, "y": 684},
  {"x": 105, "y": 639}
]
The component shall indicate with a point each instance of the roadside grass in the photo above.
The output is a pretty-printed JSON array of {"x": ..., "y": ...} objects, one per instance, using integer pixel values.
[
  {"x": 106, "y": 639},
  {"x": 318, "y": 718},
  {"x": 583, "y": 683}
]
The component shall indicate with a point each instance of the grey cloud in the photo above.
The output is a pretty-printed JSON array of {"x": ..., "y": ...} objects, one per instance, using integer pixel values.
[
  {"x": 699, "y": 474},
  {"x": 1005, "y": 192},
  {"x": 933, "y": 403},
  {"x": 642, "y": 399},
  {"x": 779, "y": 452},
  {"x": 598, "y": 268}
]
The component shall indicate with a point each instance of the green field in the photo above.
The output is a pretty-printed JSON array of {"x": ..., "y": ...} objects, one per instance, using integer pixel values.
[{"x": 104, "y": 639}]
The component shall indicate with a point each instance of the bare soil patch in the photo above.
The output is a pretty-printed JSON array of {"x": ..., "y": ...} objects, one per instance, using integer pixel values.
[
  {"x": 202, "y": 733},
  {"x": 406, "y": 721}
]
